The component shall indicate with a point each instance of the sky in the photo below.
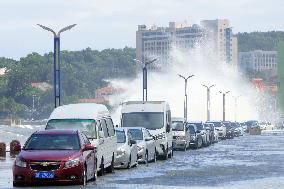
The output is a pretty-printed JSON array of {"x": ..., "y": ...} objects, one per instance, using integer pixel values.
[{"x": 113, "y": 23}]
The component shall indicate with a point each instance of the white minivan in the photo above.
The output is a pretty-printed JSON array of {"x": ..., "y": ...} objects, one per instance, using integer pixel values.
[
  {"x": 154, "y": 116},
  {"x": 95, "y": 122}
]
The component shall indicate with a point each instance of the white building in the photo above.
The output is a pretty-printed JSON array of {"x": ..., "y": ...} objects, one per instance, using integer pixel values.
[{"x": 258, "y": 61}]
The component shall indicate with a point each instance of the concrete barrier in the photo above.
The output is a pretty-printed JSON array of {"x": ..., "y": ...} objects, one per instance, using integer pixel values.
[
  {"x": 2, "y": 149},
  {"x": 13, "y": 147}
]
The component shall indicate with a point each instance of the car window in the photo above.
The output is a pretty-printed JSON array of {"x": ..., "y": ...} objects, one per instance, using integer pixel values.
[
  {"x": 110, "y": 127},
  {"x": 104, "y": 127},
  {"x": 85, "y": 139}
]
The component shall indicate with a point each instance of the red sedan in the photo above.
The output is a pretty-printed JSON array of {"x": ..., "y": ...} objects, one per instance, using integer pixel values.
[{"x": 55, "y": 156}]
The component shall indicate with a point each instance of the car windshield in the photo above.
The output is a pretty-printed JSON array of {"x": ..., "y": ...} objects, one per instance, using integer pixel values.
[
  {"x": 191, "y": 129},
  {"x": 120, "y": 135},
  {"x": 148, "y": 120},
  {"x": 86, "y": 126},
  {"x": 53, "y": 142},
  {"x": 216, "y": 124},
  {"x": 227, "y": 124},
  {"x": 136, "y": 134},
  {"x": 250, "y": 123},
  {"x": 177, "y": 125},
  {"x": 199, "y": 126}
]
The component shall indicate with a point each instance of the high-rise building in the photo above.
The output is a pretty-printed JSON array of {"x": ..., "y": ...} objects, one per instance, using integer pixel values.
[
  {"x": 258, "y": 61},
  {"x": 224, "y": 44},
  {"x": 158, "y": 41}
]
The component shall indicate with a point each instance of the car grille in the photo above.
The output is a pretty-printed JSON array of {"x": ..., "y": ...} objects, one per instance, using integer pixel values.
[{"x": 44, "y": 166}]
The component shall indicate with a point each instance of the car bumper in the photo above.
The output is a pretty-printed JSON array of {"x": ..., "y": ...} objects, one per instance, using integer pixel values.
[
  {"x": 121, "y": 161},
  {"x": 61, "y": 175},
  {"x": 141, "y": 156},
  {"x": 179, "y": 144},
  {"x": 161, "y": 147}
]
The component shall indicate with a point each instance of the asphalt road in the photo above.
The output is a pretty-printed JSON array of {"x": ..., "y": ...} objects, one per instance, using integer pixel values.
[{"x": 244, "y": 162}]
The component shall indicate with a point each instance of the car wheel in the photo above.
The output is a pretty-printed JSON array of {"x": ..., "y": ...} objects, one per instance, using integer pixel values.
[
  {"x": 102, "y": 168},
  {"x": 146, "y": 158},
  {"x": 155, "y": 156},
  {"x": 129, "y": 163},
  {"x": 110, "y": 169},
  {"x": 84, "y": 177}
]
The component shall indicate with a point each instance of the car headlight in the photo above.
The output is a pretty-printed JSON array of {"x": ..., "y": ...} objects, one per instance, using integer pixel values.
[
  {"x": 72, "y": 163},
  {"x": 120, "y": 152},
  {"x": 161, "y": 136},
  {"x": 20, "y": 163},
  {"x": 140, "y": 148}
]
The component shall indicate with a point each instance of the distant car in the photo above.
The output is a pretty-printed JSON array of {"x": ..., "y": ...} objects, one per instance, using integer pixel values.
[
  {"x": 127, "y": 151},
  {"x": 195, "y": 136},
  {"x": 55, "y": 156},
  {"x": 181, "y": 136},
  {"x": 230, "y": 134},
  {"x": 219, "y": 128},
  {"x": 249, "y": 124},
  {"x": 146, "y": 144},
  {"x": 210, "y": 128},
  {"x": 236, "y": 128},
  {"x": 204, "y": 133}
]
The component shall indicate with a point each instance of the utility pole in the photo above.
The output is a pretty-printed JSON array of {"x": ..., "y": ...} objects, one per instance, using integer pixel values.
[
  {"x": 185, "y": 93},
  {"x": 224, "y": 105},
  {"x": 208, "y": 100},
  {"x": 144, "y": 71},
  {"x": 56, "y": 59}
]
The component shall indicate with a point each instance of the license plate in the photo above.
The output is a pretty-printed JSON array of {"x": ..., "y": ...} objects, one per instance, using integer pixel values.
[{"x": 44, "y": 175}]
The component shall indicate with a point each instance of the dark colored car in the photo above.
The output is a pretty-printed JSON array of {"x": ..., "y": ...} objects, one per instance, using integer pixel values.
[
  {"x": 55, "y": 156},
  {"x": 195, "y": 136},
  {"x": 249, "y": 124},
  {"x": 229, "y": 130},
  {"x": 235, "y": 126}
]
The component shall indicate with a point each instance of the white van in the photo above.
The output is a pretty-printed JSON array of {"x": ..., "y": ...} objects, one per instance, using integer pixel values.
[
  {"x": 95, "y": 121},
  {"x": 154, "y": 116}
]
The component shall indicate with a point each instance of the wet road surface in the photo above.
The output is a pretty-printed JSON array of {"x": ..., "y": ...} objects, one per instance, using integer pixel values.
[{"x": 244, "y": 162}]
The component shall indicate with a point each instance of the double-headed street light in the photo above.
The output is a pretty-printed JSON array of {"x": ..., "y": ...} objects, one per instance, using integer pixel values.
[
  {"x": 208, "y": 100},
  {"x": 56, "y": 59},
  {"x": 224, "y": 111},
  {"x": 144, "y": 69},
  {"x": 185, "y": 93}
]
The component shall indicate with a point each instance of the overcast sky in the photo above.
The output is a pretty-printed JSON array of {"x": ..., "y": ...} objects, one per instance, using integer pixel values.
[{"x": 112, "y": 23}]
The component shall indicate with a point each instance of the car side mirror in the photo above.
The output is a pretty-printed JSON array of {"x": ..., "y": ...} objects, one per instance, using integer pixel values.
[
  {"x": 132, "y": 142},
  {"x": 101, "y": 134},
  {"x": 88, "y": 147}
]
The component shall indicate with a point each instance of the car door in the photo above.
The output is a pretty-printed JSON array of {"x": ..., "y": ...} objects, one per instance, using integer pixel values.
[
  {"x": 89, "y": 156},
  {"x": 150, "y": 144},
  {"x": 107, "y": 156},
  {"x": 133, "y": 148}
]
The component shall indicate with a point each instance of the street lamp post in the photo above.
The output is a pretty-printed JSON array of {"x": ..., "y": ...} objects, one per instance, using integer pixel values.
[
  {"x": 144, "y": 69},
  {"x": 208, "y": 100},
  {"x": 236, "y": 104},
  {"x": 185, "y": 93},
  {"x": 224, "y": 111},
  {"x": 56, "y": 59}
]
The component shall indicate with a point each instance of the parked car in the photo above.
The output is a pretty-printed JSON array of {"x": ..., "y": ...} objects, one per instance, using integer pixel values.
[
  {"x": 204, "y": 133},
  {"x": 236, "y": 128},
  {"x": 195, "y": 136},
  {"x": 210, "y": 128},
  {"x": 127, "y": 151},
  {"x": 181, "y": 135},
  {"x": 229, "y": 130},
  {"x": 154, "y": 116},
  {"x": 95, "y": 121},
  {"x": 55, "y": 156},
  {"x": 219, "y": 128},
  {"x": 146, "y": 144},
  {"x": 249, "y": 124}
]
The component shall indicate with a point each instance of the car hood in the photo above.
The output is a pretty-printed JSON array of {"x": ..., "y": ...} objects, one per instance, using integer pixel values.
[{"x": 49, "y": 155}]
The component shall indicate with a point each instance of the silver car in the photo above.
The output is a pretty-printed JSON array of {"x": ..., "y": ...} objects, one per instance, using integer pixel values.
[
  {"x": 146, "y": 144},
  {"x": 181, "y": 135},
  {"x": 127, "y": 151}
]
